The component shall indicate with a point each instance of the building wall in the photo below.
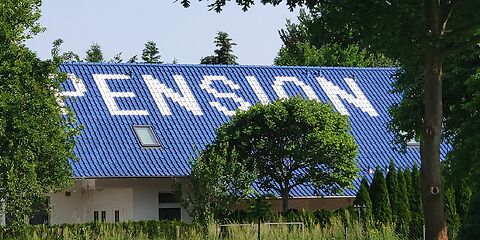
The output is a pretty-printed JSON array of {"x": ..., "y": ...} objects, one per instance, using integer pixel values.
[
  {"x": 138, "y": 199},
  {"x": 135, "y": 199},
  {"x": 77, "y": 204},
  {"x": 311, "y": 204}
]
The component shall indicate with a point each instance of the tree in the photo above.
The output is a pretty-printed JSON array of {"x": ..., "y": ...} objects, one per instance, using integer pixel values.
[
  {"x": 393, "y": 188},
  {"x": 416, "y": 203},
  {"x": 215, "y": 184},
  {"x": 133, "y": 59},
  {"x": 403, "y": 209},
  {"x": 117, "y": 58},
  {"x": 363, "y": 201},
  {"x": 66, "y": 56},
  {"x": 380, "y": 200},
  {"x": 420, "y": 35},
  {"x": 471, "y": 229},
  {"x": 36, "y": 141},
  {"x": 224, "y": 53},
  {"x": 312, "y": 43},
  {"x": 453, "y": 220},
  {"x": 94, "y": 53},
  {"x": 292, "y": 142},
  {"x": 150, "y": 53}
]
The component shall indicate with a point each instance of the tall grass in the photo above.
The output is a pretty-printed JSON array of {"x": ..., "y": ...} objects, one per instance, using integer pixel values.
[{"x": 160, "y": 230}]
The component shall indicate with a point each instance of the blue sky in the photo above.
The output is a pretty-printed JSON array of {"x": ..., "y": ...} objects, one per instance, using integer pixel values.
[{"x": 185, "y": 34}]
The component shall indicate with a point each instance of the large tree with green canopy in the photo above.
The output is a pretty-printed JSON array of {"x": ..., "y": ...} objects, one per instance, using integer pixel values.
[
  {"x": 291, "y": 142},
  {"x": 420, "y": 35},
  {"x": 36, "y": 141}
]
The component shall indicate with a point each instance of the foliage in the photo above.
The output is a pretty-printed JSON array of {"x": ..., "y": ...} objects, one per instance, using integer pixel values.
[
  {"x": 133, "y": 59},
  {"x": 36, "y": 141},
  {"x": 453, "y": 220},
  {"x": 215, "y": 185},
  {"x": 94, "y": 53},
  {"x": 463, "y": 196},
  {"x": 471, "y": 229},
  {"x": 292, "y": 142},
  {"x": 167, "y": 230},
  {"x": 68, "y": 56},
  {"x": 117, "y": 58},
  {"x": 420, "y": 35},
  {"x": 150, "y": 53},
  {"x": 224, "y": 53},
  {"x": 415, "y": 198},
  {"x": 380, "y": 200},
  {"x": 364, "y": 201},
  {"x": 402, "y": 216},
  {"x": 329, "y": 55},
  {"x": 393, "y": 188},
  {"x": 312, "y": 43}
]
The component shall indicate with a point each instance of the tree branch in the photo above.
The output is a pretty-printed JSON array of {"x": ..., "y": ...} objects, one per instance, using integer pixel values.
[
  {"x": 447, "y": 13},
  {"x": 462, "y": 30},
  {"x": 445, "y": 52}
]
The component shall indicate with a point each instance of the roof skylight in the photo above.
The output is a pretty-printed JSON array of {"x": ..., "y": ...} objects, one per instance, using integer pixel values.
[{"x": 146, "y": 136}]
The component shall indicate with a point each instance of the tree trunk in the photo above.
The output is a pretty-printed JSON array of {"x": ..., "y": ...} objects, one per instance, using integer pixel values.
[
  {"x": 432, "y": 187},
  {"x": 285, "y": 201}
]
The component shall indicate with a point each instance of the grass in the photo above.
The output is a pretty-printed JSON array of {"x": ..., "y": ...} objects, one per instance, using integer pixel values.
[{"x": 158, "y": 230}]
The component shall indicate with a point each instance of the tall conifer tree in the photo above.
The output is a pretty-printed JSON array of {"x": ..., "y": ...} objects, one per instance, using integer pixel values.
[
  {"x": 150, "y": 53},
  {"x": 403, "y": 208},
  {"x": 363, "y": 201},
  {"x": 379, "y": 197},
  {"x": 392, "y": 186},
  {"x": 415, "y": 200},
  {"x": 94, "y": 53}
]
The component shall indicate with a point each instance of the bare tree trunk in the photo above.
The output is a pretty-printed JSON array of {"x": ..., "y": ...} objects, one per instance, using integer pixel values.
[{"x": 432, "y": 187}]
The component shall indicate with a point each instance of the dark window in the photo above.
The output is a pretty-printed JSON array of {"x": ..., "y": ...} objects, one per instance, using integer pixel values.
[
  {"x": 95, "y": 216},
  {"x": 117, "y": 216},
  {"x": 167, "y": 198},
  {"x": 169, "y": 214},
  {"x": 104, "y": 216},
  {"x": 146, "y": 136}
]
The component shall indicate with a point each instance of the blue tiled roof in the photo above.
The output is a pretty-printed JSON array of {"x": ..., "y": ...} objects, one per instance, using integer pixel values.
[{"x": 107, "y": 147}]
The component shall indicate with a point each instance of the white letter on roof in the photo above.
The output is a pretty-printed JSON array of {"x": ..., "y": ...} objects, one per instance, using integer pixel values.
[
  {"x": 79, "y": 91},
  {"x": 207, "y": 85},
  {"x": 280, "y": 81},
  {"x": 109, "y": 96},
  {"x": 358, "y": 99},
  {"x": 257, "y": 89},
  {"x": 185, "y": 99}
]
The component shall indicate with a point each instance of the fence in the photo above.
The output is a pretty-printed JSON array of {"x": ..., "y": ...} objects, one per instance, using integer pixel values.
[{"x": 224, "y": 230}]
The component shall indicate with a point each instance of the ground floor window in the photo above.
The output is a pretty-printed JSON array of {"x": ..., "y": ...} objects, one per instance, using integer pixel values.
[
  {"x": 169, "y": 214},
  {"x": 168, "y": 207}
]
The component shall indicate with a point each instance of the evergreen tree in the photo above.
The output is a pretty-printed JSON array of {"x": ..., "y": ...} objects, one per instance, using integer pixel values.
[
  {"x": 408, "y": 183},
  {"x": 224, "y": 53},
  {"x": 416, "y": 209},
  {"x": 471, "y": 229},
  {"x": 150, "y": 53},
  {"x": 380, "y": 201},
  {"x": 363, "y": 201},
  {"x": 403, "y": 208},
  {"x": 117, "y": 58},
  {"x": 133, "y": 59},
  {"x": 94, "y": 54},
  {"x": 392, "y": 186},
  {"x": 453, "y": 221}
]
